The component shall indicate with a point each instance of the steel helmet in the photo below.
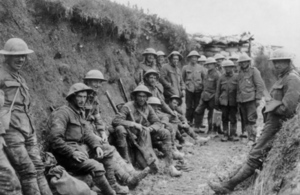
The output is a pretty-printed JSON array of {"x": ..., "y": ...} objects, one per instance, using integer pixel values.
[
  {"x": 149, "y": 51},
  {"x": 151, "y": 71},
  {"x": 210, "y": 60},
  {"x": 175, "y": 53},
  {"x": 154, "y": 100},
  {"x": 15, "y": 46},
  {"x": 177, "y": 98},
  {"x": 202, "y": 59},
  {"x": 227, "y": 63},
  {"x": 193, "y": 53},
  {"x": 281, "y": 54},
  {"x": 219, "y": 56},
  {"x": 78, "y": 87},
  {"x": 141, "y": 88},
  {"x": 94, "y": 74},
  {"x": 244, "y": 58},
  {"x": 160, "y": 53},
  {"x": 234, "y": 57}
]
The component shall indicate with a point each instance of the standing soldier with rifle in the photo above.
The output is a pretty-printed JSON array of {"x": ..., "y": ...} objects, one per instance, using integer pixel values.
[
  {"x": 20, "y": 136},
  {"x": 140, "y": 119}
]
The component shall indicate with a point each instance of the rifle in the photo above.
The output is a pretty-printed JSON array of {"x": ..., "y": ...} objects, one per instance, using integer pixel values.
[
  {"x": 142, "y": 77},
  {"x": 122, "y": 89},
  {"x": 131, "y": 136},
  {"x": 111, "y": 102}
]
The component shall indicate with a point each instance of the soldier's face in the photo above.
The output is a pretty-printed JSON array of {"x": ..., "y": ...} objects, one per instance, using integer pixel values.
[
  {"x": 201, "y": 63},
  {"x": 219, "y": 61},
  {"x": 174, "y": 103},
  {"x": 175, "y": 60},
  {"x": 244, "y": 65},
  {"x": 229, "y": 69},
  {"x": 151, "y": 79},
  {"x": 150, "y": 58},
  {"x": 210, "y": 66},
  {"x": 281, "y": 65},
  {"x": 161, "y": 59},
  {"x": 234, "y": 61},
  {"x": 155, "y": 107},
  {"x": 141, "y": 98},
  {"x": 193, "y": 59},
  {"x": 94, "y": 83},
  {"x": 80, "y": 99},
  {"x": 16, "y": 62}
]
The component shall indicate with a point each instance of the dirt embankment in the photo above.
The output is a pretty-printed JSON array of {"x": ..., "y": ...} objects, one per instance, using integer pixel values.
[{"x": 68, "y": 43}]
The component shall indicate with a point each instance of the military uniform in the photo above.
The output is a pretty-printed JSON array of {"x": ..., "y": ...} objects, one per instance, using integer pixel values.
[
  {"x": 22, "y": 147},
  {"x": 208, "y": 96},
  {"x": 226, "y": 100},
  {"x": 173, "y": 78},
  {"x": 250, "y": 88},
  {"x": 193, "y": 76}
]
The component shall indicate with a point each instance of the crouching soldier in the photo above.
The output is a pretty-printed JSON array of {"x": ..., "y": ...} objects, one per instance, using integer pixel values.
[
  {"x": 164, "y": 119},
  {"x": 180, "y": 122},
  {"x": 75, "y": 146},
  {"x": 94, "y": 79},
  {"x": 226, "y": 100},
  {"x": 285, "y": 95},
  {"x": 139, "y": 117},
  {"x": 207, "y": 100},
  {"x": 9, "y": 182},
  {"x": 20, "y": 136}
]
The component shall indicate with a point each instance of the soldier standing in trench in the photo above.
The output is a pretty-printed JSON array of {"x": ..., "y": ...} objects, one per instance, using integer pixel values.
[
  {"x": 249, "y": 93},
  {"x": 280, "y": 107},
  {"x": 226, "y": 100},
  {"x": 22, "y": 147},
  {"x": 219, "y": 58},
  {"x": 193, "y": 75},
  {"x": 172, "y": 75},
  {"x": 207, "y": 100}
]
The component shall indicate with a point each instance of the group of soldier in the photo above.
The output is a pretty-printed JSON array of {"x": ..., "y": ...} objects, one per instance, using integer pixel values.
[{"x": 82, "y": 143}]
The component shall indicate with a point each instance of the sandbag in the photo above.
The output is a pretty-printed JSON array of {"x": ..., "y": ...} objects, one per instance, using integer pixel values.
[{"x": 68, "y": 185}]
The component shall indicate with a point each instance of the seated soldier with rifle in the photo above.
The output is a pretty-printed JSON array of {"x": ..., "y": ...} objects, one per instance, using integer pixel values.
[
  {"x": 125, "y": 171},
  {"x": 138, "y": 120}
]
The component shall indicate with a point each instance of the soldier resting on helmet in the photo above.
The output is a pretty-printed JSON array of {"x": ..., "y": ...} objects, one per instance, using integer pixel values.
[{"x": 139, "y": 118}]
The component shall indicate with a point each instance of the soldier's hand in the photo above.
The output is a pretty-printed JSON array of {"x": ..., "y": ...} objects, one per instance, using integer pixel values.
[
  {"x": 183, "y": 93},
  {"x": 79, "y": 156},
  {"x": 99, "y": 153},
  {"x": 104, "y": 136},
  {"x": 138, "y": 126}
]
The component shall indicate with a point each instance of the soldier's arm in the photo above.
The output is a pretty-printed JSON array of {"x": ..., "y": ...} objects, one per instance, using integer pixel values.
[
  {"x": 99, "y": 123},
  {"x": 164, "y": 75},
  {"x": 184, "y": 73},
  {"x": 259, "y": 84},
  {"x": 218, "y": 91},
  {"x": 182, "y": 84},
  {"x": 153, "y": 119},
  {"x": 121, "y": 118},
  {"x": 57, "y": 125},
  {"x": 90, "y": 139},
  {"x": 291, "y": 97}
]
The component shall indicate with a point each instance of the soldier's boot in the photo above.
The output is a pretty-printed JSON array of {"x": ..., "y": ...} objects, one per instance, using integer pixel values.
[
  {"x": 182, "y": 141},
  {"x": 132, "y": 180},
  {"x": 190, "y": 131},
  {"x": 102, "y": 183},
  {"x": 123, "y": 150},
  {"x": 30, "y": 186},
  {"x": 176, "y": 154},
  {"x": 225, "y": 135},
  {"x": 43, "y": 184},
  {"x": 233, "y": 135},
  {"x": 109, "y": 166},
  {"x": 167, "y": 150},
  {"x": 228, "y": 186},
  {"x": 251, "y": 135}
]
